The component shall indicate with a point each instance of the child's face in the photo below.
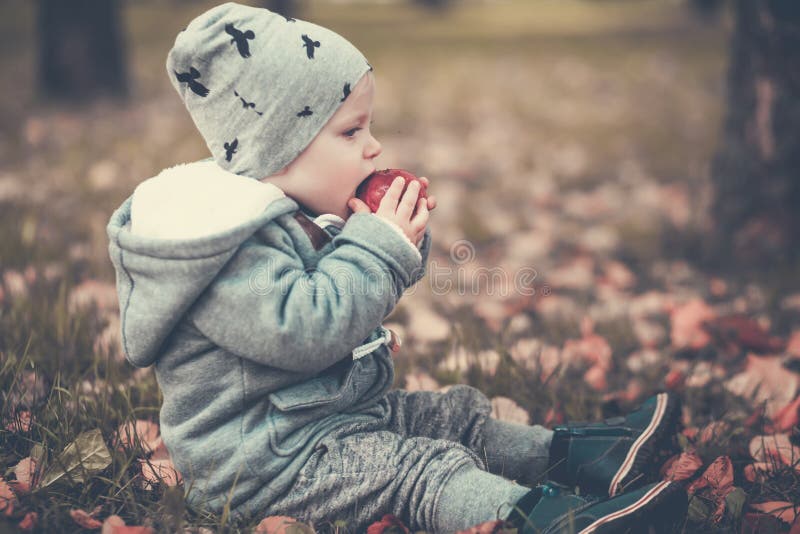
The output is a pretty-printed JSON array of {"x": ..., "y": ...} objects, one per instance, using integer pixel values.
[{"x": 326, "y": 174}]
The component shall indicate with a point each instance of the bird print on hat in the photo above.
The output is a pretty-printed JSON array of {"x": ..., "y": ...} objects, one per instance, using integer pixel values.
[
  {"x": 240, "y": 38},
  {"x": 310, "y": 45},
  {"x": 189, "y": 78}
]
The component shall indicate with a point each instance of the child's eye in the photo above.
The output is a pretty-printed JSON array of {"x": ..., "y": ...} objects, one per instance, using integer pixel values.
[{"x": 351, "y": 132}]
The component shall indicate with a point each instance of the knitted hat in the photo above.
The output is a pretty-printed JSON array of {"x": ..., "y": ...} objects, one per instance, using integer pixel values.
[{"x": 260, "y": 86}]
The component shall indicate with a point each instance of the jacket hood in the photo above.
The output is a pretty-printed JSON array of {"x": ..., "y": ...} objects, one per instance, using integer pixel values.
[{"x": 170, "y": 239}]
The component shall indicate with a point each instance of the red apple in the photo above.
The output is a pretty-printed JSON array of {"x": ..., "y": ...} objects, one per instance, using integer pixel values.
[{"x": 372, "y": 189}]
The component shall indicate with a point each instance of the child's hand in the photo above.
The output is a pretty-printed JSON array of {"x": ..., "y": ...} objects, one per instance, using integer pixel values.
[{"x": 403, "y": 209}]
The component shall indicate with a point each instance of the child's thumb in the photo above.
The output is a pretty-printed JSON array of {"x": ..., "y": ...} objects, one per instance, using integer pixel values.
[{"x": 358, "y": 206}]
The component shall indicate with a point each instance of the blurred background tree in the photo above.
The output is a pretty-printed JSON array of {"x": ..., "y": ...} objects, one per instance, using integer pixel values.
[
  {"x": 287, "y": 8},
  {"x": 81, "y": 49},
  {"x": 756, "y": 171}
]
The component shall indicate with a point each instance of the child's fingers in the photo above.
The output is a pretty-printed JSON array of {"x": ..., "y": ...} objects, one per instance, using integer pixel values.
[
  {"x": 409, "y": 200},
  {"x": 431, "y": 202},
  {"x": 358, "y": 206},
  {"x": 392, "y": 197},
  {"x": 420, "y": 218}
]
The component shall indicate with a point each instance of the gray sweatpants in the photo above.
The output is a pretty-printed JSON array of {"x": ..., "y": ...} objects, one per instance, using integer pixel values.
[{"x": 434, "y": 460}]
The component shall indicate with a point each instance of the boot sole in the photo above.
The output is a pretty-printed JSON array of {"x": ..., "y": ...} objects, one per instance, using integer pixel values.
[
  {"x": 665, "y": 418},
  {"x": 640, "y": 514}
]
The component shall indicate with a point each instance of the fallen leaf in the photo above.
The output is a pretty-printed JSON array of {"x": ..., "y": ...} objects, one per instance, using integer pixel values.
[
  {"x": 686, "y": 324},
  {"x": 388, "y": 524},
  {"x": 775, "y": 447},
  {"x": 712, "y": 431},
  {"x": 86, "y": 519},
  {"x": 145, "y": 432},
  {"x": 159, "y": 470},
  {"x": 84, "y": 457},
  {"x": 744, "y": 332},
  {"x": 27, "y": 475},
  {"x": 29, "y": 522},
  {"x": 681, "y": 466},
  {"x": 21, "y": 422},
  {"x": 111, "y": 522},
  {"x": 506, "y": 409},
  {"x": 787, "y": 417},
  {"x": 765, "y": 380},
  {"x": 718, "y": 481},
  {"x": 7, "y": 499},
  {"x": 785, "y": 511},
  {"x": 90, "y": 293},
  {"x": 276, "y": 524}
]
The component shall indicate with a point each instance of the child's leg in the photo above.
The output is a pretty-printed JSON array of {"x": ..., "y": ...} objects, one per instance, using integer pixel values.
[
  {"x": 431, "y": 485},
  {"x": 462, "y": 414}
]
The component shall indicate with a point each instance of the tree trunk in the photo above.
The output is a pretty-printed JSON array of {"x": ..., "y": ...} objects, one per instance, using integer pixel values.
[
  {"x": 81, "y": 49},
  {"x": 756, "y": 171}
]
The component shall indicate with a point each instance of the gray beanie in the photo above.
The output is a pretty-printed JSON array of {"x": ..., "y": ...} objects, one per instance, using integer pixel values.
[{"x": 260, "y": 86}]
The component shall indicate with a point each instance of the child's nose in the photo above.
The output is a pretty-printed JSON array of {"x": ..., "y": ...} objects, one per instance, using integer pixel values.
[{"x": 373, "y": 148}]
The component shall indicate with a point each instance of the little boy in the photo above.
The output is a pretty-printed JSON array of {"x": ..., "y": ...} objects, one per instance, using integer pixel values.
[{"x": 257, "y": 284}]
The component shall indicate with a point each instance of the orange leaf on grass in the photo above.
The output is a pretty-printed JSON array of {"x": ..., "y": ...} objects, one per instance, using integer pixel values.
[
  {"x": 159, "y": 470},
  {"x": 686, "y": 322},
  {"x": 387, "y": 523},
  {"x": 21, "y": 422},
  {"x": 29, "y": 522},
  {"x": 785, "y": 511},
  {"x": 776, "y": 447},
  {"x": 766, "y": 381},
  {"x": 145, "y": 432},
  {"x": 114, "y": 524},
  {"x": 681, "y": 466},
  {"x": 275, "y": 524},
  {"x": 7, "y": 499},
  {"x": 787, "y": 417},
  {"x": 86, "y": 519},
  {"x": 744, "y": 332},
  {"x": 717, "y": 480},
  {"x": 27, "y": 475}
]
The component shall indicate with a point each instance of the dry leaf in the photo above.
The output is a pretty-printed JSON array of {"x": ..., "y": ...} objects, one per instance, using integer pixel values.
[
  {"x": 146, "y": 432},
  {"x": 90, "y": 293},
  {"x": 713, "y": 430},
  {"x": 27, "y": 475},
  {"x": 275, "y": 524},
  {"x": 686, "y": 322},
  {"x": 506, "y": 409},
  {"x": 111, "y": 523},
  {"x": 785, "y": 511},
  {"x": 86, "y": 519},
  {"x": 159, "y": 470},
  {"x": 681, "y": 466},
  {"x": 7, "y": 499},
  {"x": 718, "y": 481},
  {"x": 744, "y": 332},
  {"x": 787, "y": 417},
  {"x": 84, "y": 457},
  {"x": 21, "y": 422},
  {"x": 767, "y": 381},
  {"x": 776, "y": 447},
  {"x": 387, "y": 522},
  {"x": 29, "y": 522}
]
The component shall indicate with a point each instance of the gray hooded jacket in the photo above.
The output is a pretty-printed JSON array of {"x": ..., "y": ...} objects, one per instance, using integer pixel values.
[{"x": 250, "y": 314}]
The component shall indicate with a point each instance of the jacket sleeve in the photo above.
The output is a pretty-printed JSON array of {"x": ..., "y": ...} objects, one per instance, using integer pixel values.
[{"x": 266, "y": 307}]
